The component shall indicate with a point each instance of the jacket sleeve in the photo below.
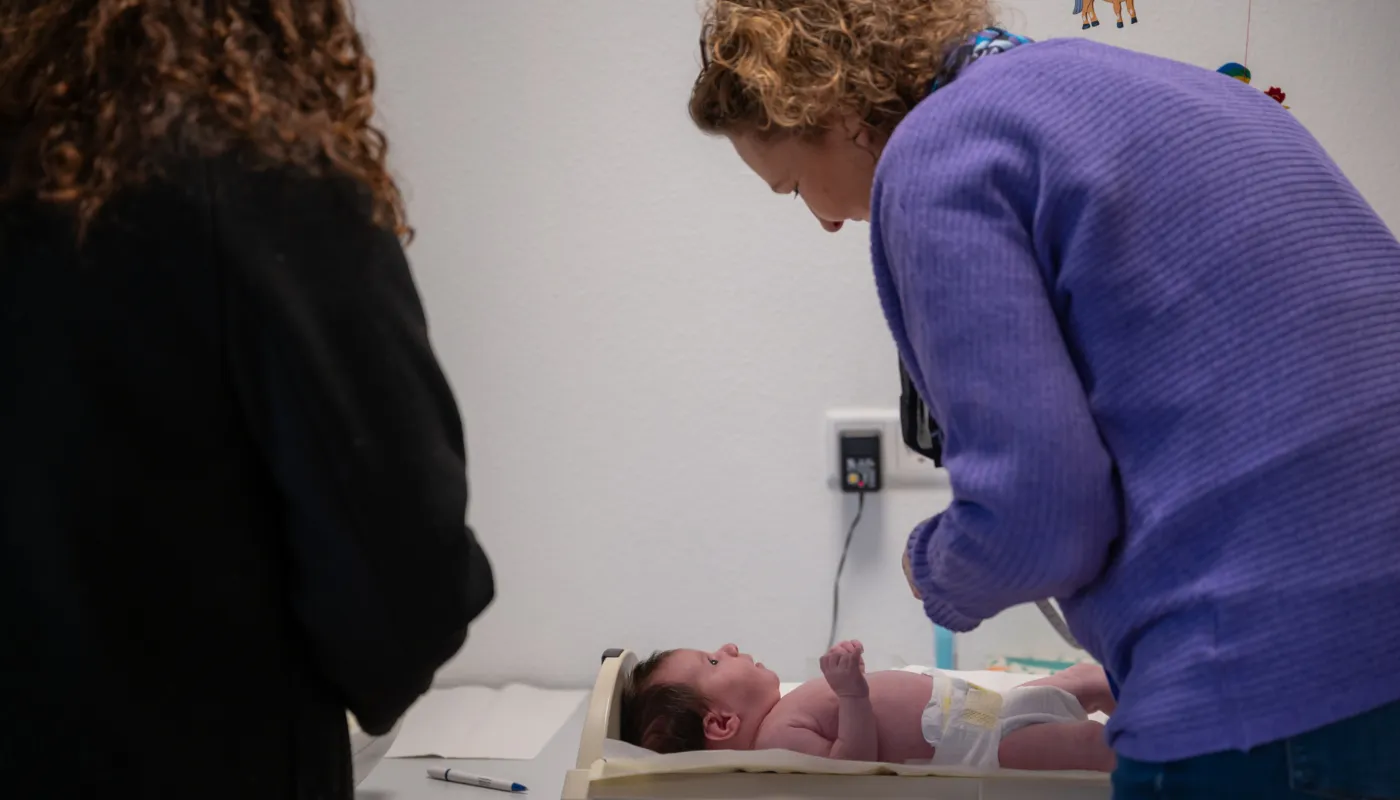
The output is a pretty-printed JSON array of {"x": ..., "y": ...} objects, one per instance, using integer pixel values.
[
  {"x": 1034, "y": 506},
  {"x": 328, "y": 349}
]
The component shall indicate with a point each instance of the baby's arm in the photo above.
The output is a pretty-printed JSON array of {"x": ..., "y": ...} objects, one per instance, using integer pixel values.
[
  {"x": 857, "y": 733},
  {"x": 1057, "y": 746},
  {"x": 857, "y": 737}
]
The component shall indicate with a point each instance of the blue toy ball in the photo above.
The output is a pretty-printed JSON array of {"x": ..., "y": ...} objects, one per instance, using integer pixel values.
[{"x": 1236, "y": 71}]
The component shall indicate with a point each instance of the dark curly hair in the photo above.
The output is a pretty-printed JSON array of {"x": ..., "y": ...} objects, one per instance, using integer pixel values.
[
  {"x": 100, "y": 95},
  {"x": 662, "y": 717}
]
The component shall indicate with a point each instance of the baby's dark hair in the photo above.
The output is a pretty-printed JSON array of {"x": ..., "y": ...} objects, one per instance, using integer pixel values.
[{"x": 662, "y": 717}]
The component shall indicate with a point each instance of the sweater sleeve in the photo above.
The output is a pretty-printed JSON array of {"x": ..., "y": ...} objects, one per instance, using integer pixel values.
[
  {"x": 328, "y": 348},
  {"x": 1034, "y": 507}
]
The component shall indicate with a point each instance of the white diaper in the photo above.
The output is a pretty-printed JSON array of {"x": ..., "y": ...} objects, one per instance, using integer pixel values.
[{"x": 965, "y": 722}]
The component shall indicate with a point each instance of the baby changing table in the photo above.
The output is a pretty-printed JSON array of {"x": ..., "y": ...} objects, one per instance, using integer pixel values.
[{"x": 776, "y": 775}]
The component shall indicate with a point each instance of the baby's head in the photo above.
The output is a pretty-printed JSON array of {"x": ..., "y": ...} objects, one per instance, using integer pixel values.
[{"x": 681, "y": 700}]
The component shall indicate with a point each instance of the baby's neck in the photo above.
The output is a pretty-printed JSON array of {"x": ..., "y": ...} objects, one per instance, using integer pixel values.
[{"x": 747, "y": 737}]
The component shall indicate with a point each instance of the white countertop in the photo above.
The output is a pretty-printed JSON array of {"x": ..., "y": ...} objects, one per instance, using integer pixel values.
[{"x": 407, "y": 778}]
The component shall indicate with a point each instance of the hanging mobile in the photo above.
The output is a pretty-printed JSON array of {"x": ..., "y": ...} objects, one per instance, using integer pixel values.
[{"x": 1242, "y": 73}]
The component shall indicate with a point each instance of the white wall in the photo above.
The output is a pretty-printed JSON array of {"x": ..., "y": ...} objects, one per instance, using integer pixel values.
[{"x": 644, "y": 340}]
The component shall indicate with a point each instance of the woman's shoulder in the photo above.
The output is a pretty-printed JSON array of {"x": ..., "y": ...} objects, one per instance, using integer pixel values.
[
  {"x": 1046, "y": 100},
  {"x": 243, "y": 176},
  {"x": 994, "y": 96},
  {"x": 1063, "y": 68},
  {"x": 1052, "y": 85}
]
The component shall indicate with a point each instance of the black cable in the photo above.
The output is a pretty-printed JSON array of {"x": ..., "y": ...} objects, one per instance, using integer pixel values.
[{"x": 841, "y": 567}]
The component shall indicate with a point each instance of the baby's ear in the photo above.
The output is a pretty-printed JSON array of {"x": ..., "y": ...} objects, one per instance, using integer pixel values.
[{"x": 720, "y": 726}]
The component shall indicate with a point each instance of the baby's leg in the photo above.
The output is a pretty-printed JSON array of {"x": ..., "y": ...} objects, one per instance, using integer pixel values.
[
  {"x": 1057, "y": 746},
  {"x": 1087, "y": 682}
]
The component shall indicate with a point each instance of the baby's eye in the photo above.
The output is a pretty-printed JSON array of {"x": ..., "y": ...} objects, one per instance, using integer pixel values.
[{"x": 714, "y": 663}]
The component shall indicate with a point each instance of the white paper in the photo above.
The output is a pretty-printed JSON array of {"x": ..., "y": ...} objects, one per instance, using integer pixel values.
[
  {"x": 475, "y": 722},
  {"x": 617, "y": 749}
]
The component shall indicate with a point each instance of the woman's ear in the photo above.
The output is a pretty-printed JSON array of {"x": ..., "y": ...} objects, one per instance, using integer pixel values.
[
  {"x": 720, "y": 726},
  {"x": 860, "y": 134}
]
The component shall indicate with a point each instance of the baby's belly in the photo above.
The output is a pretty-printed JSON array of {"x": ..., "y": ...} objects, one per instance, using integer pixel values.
[{"x": 899, "y": 699}]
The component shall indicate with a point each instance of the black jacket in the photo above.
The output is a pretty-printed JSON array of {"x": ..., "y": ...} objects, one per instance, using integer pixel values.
[{"x": 232, "y": 491}]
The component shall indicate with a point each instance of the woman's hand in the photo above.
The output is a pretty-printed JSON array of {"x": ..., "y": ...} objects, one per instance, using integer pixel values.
[{"x": 909, "y": 576}]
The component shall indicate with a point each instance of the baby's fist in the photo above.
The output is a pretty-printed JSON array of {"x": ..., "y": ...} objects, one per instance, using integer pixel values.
[{"x": 844, "y": 670}]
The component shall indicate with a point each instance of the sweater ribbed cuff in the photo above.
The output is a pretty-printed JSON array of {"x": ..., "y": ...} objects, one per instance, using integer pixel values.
[{"x": 939, "y": 611}]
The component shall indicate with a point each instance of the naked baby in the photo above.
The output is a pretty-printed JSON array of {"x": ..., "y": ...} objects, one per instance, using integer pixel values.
[{"x": 682, "y": 700}]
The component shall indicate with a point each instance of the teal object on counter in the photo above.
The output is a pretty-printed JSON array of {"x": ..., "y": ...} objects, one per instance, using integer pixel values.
[{"x": 942, "y": 648}]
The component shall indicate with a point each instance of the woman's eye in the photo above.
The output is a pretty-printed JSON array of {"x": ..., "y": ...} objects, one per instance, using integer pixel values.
[{"x": 796, "y": 193}]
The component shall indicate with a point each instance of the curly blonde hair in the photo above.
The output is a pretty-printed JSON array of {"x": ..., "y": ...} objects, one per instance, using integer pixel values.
[
  {"x": 100, "y": 95},
  {"x": 795, "y": 66}
]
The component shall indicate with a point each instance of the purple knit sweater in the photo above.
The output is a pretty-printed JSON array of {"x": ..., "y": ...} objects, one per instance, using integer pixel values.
[{"x": 1161, "y": 332}]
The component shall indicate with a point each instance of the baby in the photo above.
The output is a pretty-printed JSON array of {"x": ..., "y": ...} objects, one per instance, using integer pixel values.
[{"x": 682, "y": 700}]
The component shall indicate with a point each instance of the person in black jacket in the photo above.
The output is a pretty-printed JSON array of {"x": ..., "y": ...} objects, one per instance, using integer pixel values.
[{"x": 232, "y": 473}]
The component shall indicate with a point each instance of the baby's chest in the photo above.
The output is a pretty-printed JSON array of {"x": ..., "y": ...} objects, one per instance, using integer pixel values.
[{"x": 815, "y": 711}]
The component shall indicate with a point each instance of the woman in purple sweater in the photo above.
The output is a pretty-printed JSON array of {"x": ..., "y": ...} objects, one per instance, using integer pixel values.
[{"x": 1159, "y": 334}]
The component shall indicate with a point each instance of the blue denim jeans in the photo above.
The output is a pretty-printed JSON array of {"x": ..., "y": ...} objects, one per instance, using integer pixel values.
[{"x": 1355, "y": 758}]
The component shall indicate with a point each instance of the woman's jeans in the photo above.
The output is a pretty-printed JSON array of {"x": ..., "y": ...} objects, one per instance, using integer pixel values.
[{"x": 1355, "y": 758}]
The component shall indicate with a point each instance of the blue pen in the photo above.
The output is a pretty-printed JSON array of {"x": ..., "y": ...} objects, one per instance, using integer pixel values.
[{"x": 467, "y": 779}]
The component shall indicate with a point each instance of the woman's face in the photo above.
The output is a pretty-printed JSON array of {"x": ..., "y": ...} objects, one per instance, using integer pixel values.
[{"x": 832, "y": 174}]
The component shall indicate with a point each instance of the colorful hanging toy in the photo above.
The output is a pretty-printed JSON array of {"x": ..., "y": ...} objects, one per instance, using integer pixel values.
[
  {"x": 1085, "y": 9},
  {"x": 1242, "y": 74},
  {"x": 1239, "y": 72}
]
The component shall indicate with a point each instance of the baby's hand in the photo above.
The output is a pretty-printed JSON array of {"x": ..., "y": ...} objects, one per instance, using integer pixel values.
[{"x": 844, "y": 670}]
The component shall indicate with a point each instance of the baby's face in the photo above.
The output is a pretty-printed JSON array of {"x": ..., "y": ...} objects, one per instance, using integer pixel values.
[{"x": 725, "y": 677}]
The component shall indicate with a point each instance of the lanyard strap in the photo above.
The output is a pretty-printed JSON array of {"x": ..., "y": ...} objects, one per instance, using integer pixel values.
[{"x": 1052, "y": 615}]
